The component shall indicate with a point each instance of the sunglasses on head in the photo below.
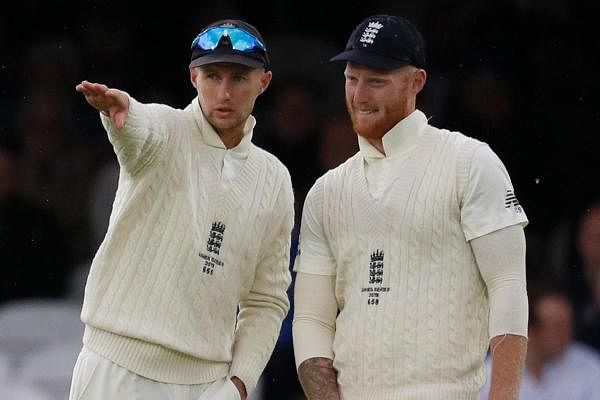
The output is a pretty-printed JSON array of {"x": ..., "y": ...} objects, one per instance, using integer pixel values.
[{"x": 239, "y": 38}]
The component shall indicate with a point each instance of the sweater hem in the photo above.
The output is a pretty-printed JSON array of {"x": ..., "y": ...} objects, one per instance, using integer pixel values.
[
  {"x": 399, "y": 394},
  {"x": 152, "y": 360}
]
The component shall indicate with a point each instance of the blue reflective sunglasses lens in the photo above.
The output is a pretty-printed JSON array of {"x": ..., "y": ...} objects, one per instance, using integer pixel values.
[
  {"x": 209, "y": 39},
  {"x": 240, "y": 39},
  {"x": 243, "y": 41}
]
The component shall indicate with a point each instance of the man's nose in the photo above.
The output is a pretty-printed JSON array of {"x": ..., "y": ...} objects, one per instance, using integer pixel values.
[
  {"x": 360, "y": 93},
  {"x": 225, "y": 90}
]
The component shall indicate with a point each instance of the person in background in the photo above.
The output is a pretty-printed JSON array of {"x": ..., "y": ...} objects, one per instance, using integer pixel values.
[
  {"x": 556, "y": 367},
  {"x": 588, "y": 251},
  {"x": 34, "y": 252}
]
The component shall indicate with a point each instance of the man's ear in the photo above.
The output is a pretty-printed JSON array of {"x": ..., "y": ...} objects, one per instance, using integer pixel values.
[
  {"x": 419, "y": 80},
  {"x": 265, "y": 80},
  {"x": 193, "y": 75}
]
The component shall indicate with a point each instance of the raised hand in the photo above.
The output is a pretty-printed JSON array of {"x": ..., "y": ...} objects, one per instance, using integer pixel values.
[{"x": 112, "y": 102}]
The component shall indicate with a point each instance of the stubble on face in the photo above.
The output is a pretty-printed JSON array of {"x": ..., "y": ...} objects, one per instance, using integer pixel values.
[
  {"x": 222, "y": 125},
  {"x": 226, "y": 110},
  {"x": 372, "y": 119}
]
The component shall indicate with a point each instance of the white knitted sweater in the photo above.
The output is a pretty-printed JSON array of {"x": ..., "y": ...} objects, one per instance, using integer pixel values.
[
  {"x": 182, "y": 253},
  {"x": 413, "y": 320}
]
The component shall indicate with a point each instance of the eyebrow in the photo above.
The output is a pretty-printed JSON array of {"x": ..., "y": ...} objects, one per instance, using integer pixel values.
[
  {"x": 380, "y": 77},
  {"x": 237, "y": 69}
]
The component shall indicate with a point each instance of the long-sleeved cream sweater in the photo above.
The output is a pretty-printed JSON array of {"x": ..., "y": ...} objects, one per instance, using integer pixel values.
[{"x": 183, "y": 253}]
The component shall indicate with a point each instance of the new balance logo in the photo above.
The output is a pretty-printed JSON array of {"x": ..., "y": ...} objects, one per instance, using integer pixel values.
[{"x": 510, "y": 200}]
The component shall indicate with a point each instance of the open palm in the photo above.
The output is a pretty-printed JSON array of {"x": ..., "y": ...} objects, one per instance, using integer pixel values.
[{"x": 112, "y": 102}]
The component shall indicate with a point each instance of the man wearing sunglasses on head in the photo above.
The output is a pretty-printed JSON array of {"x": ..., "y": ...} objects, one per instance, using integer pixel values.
[{"x": 187, "y": 292}]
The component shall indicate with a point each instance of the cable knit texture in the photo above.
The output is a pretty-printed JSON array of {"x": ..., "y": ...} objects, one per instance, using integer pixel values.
[
  {"x": 421, "y": 331},
  {"x": 182, "y": 253}
]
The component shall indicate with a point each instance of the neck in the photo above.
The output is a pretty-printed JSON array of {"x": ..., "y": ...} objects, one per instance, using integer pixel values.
[
  {"x": 231, "y": 137},
  {"x": 378, "y": 144}
]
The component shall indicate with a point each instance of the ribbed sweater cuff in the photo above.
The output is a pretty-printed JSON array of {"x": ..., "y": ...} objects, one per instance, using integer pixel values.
[
  {"x": 248, "y": 371},
  {"x": 153, "y": 361}
]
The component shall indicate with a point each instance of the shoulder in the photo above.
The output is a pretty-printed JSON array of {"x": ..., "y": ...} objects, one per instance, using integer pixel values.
[
  {"x": 187, "y": 120},
  {"x": 455, "y": 139},
  {"x": 269, "y": 159},
  {"x": 331, "y": 182},
  {"x": 153, "y": 108},
  {"x": 162, "y": 116},
  {"x": 344, "y": 169},
  {"x": 187, "y": 115},
  {"x": 470, "y": 153}
]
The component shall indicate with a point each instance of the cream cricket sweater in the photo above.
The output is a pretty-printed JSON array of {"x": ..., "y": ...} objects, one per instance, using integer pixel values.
[
  {"x": 413, "y": 308},
  {"x": 183, "y": 252}
]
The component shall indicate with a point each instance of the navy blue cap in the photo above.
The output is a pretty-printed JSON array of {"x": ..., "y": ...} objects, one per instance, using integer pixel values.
[
  {"x": 384, "y": 42},
  {"x": 225, "y": 53}
]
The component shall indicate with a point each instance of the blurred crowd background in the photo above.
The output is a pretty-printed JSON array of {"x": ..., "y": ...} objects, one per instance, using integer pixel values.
[{"x": 520, "y": 75}]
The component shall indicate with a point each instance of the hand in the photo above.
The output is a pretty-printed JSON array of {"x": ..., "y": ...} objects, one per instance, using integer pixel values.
[
  {"x": 240, "y": 387},
  {"x": 112, "y": 102}
]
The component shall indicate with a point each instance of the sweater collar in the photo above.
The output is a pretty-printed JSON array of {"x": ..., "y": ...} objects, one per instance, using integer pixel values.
[
  {"x": 397, "y": 140},
  {"x": 211, "y": 137}
]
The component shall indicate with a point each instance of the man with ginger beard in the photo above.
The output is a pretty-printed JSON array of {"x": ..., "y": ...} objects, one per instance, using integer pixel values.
[{"x": 412, "y": 252}]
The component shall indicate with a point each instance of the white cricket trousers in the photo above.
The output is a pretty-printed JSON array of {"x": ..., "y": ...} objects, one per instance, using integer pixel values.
[{"x": 97, "y": 378}]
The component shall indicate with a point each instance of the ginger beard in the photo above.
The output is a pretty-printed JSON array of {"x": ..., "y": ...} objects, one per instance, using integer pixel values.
[
  {"x": 373, "y": 122},
  {"x": 383, "y": 108}
]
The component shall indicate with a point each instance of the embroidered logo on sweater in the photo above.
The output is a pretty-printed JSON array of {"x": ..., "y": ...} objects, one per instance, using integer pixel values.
[
  {"x": 510, "y": 200},
  {"x": 375, "y": 287},
  {"x": 215, "y": 237},
  {"x": 376, "y": 267},
  {"x": 213, "y": 245},
  {"x": 370, "y": 33}
]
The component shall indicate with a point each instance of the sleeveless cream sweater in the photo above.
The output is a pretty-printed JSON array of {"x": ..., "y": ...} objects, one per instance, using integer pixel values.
[{"x": 413, "y": 321}]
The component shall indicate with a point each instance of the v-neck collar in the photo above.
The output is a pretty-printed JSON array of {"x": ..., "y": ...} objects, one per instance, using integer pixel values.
[
  {"x": 398, "y": 140},
  {"x": 377, "y": 211},
  {"x": 231, "y": 197}
]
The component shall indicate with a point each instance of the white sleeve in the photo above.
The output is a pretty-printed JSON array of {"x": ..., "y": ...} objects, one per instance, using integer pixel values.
[
  {"x": 314, "y": 254},
  {"x": 500, "y": 256},
  {"x": 489, "y": 202},
  {"x": 315, "y": 311},
  {"x": 143, "y": 136},
  {"x": 266, "y": 304}
]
